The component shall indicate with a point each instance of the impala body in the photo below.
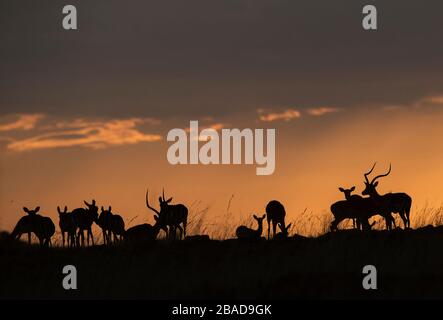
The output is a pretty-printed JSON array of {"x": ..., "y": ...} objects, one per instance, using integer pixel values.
[
  {"x": 67, "y": 226},
  {"x": 84, "y": 218},
  {"x": 111, "y": 224},
  {"x": 361, "y": 210},
  {"x": 275, "y": 213},
  {"x": 351, "y": 197},
  {"x": 244, "y": 232},
  {"x": 143, "y": 232},
  {"x": 42, "y": 227},
  {"x": 390, "y": 202},
  {"x": 170, "y": 216}
]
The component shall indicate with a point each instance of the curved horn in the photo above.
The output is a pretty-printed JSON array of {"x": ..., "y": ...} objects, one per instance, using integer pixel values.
[
  {"x": 86, "y": 203},
  {"x": 368, "y": 173},
  {"x": 163, "y": 194},
  {"x": 382, "y": 175},
  {"x": 147, "y": 203}
]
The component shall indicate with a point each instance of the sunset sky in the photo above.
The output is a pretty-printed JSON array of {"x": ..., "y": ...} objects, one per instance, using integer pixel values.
[{"x": 84, "y": 114}]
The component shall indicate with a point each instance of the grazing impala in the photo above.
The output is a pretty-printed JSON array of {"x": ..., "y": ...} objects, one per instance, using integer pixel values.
[
  {"x": 244, "y": 232},
  {"x": 275, "y": 213},
  {"x": 172, "y": 216},
  {"x": 284, "y": 231},
  {"x": 390, "y": 202},
  {"x": 42, "y": 227},
  {"x": 67, "y": 225},
  {"x": 84, "y": 218}
]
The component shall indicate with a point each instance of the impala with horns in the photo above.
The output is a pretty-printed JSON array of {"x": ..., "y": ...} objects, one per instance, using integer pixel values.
[
  {"x": 390, "y": 202},
  {"x": 172, "y": 216}
]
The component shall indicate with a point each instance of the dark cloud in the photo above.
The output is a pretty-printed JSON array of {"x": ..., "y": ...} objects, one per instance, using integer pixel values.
[{"x": 199, "y": 57}]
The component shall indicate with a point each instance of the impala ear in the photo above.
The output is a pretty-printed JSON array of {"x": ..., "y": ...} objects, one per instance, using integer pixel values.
[
  {"x": 58, "y": 210},
  {"x": 103, "y": 209},
  {"x": 36, "y": 209},
  {"x": 288, "y": 226},
  {"x": 25, "y": 209},
  {"x": 353, "y": 188},
  {"x": 66, "y": 209},
  {"x": 263, "y": 216},
  {"x": 155, "y": 217},
  {"x": 160, "y": 200},
  {"x": 341, "y": 189},
  {"x": 255, "y": 217},
  {"x": 93, "y": 202},
  {"x": 376, "y": 184},
  {"x": 86, "y": 203},
  {"x": 109, "y": 209},
  {"x": 169, "y": 200}
]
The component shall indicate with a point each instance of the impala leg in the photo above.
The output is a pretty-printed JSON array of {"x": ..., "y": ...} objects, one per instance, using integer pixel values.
[
  {"x": 63, "y": 239},
  {"x": 92, "y": 236},
  {"x": 181, "y": 231},
  {"x": 269, "y": 227},
  {"x": 404, "y": 219},
  {"x": 274, "y": 226}
]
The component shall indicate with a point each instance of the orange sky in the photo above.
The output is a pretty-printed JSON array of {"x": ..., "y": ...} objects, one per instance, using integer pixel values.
[
  {"x": 84, "y": 113},
  {"x": 115, "y": 160}
]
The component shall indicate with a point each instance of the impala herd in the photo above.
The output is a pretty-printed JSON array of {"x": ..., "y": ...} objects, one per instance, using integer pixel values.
[{"x": 171, "y": 217}]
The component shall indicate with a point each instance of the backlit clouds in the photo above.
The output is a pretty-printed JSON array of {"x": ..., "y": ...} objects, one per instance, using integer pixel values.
[
  {"x": 267, "y": 115},
  {"x": 320, "y": 111},
  {"x": 21, "y": 122},
  {"x": 286, "y": 115},
  {"x": 96, "y": 134}
]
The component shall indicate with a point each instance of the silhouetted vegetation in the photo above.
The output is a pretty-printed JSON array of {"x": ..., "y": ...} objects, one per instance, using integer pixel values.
[{"x": 409, "y": 262}]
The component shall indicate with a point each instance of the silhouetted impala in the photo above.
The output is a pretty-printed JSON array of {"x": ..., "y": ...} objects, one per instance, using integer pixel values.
[
  {"x": 84, "y": 218},
  {"x": 143, "y": 232},
  {"x": 244, "y": 232},
  {"x": 275, "y": 213},
  {"x": 284, "y": 231},
  {"x": 111, "y": 224},
  {"x": 390, "y": 202},
  {"x": 351, "y": 197},
  {"x": 67, "y": 225},
  {"x": 172, "y": 216},
  {"x": 42, "y": 227}
]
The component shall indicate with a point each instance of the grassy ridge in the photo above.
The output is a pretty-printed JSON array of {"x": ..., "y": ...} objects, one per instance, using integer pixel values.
[{"x": 409, "y": 264}]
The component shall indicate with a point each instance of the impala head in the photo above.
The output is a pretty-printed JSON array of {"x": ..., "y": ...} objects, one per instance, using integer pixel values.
[
  {"x": 259, "y": 219},
  {"x": 61, "y": 213},
  {"x": 92, "y": 208},
  {"x": 347, "y": 192},
  {"x": 163, "y": 202},
  {"x": 370, "y": 186},
  {"x": 104, "y": 210},
  {"x": 31, "y": 212},
  {"x": 285, "y": 230}
]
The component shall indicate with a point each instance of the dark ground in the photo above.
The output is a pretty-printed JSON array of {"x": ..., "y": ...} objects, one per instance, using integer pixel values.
[{"x": 409, "y": 265}]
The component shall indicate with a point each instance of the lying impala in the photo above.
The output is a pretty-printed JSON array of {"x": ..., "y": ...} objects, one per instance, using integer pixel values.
[
  {"x": 172, "y": 216},
  {"x": 390, "y": 202}
]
